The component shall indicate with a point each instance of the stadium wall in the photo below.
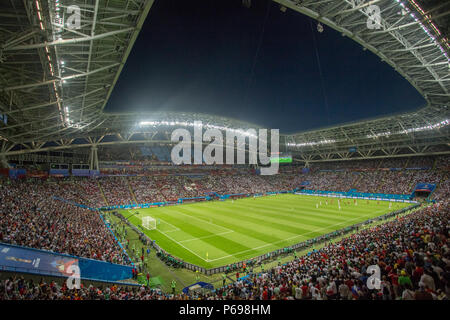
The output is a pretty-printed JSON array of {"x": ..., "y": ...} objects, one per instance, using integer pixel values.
[{"x": 28, "y": 260}]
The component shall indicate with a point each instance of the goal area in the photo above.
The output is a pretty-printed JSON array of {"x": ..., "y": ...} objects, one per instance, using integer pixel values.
[{"x": 148, "y": 223}]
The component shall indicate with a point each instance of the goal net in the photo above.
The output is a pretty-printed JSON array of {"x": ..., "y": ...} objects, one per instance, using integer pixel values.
[{"x": 148, "y": 223}]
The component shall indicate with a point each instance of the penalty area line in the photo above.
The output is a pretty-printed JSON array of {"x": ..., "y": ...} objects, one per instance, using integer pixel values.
[
  {"x": 296, "y": 236},
  {"x": 175, "y": 227},
  {"x": 205, "y": 237},
  {"x": 180, "y": 244}
]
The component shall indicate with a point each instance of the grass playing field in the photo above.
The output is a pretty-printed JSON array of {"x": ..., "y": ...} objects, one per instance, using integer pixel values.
[{"x": 213, "y": 234}]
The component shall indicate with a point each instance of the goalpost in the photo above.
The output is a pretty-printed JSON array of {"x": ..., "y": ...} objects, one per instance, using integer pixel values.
[{"x": 148, "y": 223}]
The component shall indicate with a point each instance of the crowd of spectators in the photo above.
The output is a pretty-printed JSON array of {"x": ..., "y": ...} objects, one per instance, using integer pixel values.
[
  {"x": 412, "y": 247},
  {"x": 420, "y": 162},
  {"x": 412, "y": 253},
  {"x": 411, "y": 162},
  {"x": 395, "y": 182},
  {"x": 146, "y": 189},
  {"x": 165, "y": 184},
  {"x": 377, "y": 176},
  {"x": 31, "y": 217},
  {"x": 443, "y": 163},
  {"x": 116, "y": 190},
  {"x": 331, "y": 181},
  {"x": 80, "y": 190},
  {"x": 443, "y": 189},
  {"x": 142, "y": 184},
  {"x": 170, "y": 188}
]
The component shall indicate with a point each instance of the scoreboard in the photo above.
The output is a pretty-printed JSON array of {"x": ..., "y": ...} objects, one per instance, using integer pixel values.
[{"x": 281, "y": 158}]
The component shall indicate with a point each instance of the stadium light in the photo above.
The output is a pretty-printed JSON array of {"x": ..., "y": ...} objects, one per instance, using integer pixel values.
[
  {"x": 190, "y": 124},
  {"x": 426, "y": 18},
  {"x": 438, "y": 125},
  {"x": 304, "y": 144},
  {"x": 430, "y": 127},
  {"x": 378, "y": 135}
]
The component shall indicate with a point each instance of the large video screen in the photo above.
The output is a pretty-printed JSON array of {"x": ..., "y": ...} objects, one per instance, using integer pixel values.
[{"x": 281, "y": 158}]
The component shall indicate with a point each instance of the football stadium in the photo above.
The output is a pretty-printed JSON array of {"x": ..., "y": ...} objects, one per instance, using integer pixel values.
[{"x": 163, "y": 204}]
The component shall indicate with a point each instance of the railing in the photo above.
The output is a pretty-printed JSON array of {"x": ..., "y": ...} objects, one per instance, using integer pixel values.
[{"x": 358, "y": 195}]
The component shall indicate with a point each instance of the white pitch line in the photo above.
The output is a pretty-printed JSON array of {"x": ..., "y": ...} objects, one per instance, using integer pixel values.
[
  {"x": 193, "y": 217},
  {"x": 176, "y": 228},
  {"x": 172, "y": 231},
  {"x": 287, "y": 239},
  {"x": 181, "y": 245},
  {"x": 210, "y": 236}
]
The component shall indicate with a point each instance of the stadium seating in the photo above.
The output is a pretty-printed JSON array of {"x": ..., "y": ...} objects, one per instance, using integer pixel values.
[
  {"x": 412, "y": 251},
  {"x": 31, "y": 217}
]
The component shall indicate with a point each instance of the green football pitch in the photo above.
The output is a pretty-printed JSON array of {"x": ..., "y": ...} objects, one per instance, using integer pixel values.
[{"x": 217, "y": 233}]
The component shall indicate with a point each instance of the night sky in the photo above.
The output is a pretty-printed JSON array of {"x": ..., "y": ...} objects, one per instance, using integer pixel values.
[{"x": 258, "y": 65}]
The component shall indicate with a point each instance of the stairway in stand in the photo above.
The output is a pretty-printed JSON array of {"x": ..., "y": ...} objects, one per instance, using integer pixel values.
[
  {"x": 101, "y": 191},
  {"x": 131, "y": 190}
]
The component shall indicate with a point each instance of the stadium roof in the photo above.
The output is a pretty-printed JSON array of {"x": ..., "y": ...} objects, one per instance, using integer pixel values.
[
  {"x": 56, "y": 76},
  {"x": 58, "y": 71}
]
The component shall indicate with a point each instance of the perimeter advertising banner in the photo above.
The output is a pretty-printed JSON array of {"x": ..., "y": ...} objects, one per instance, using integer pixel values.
[
  {"x": 81, "y": 172},
  {"x": 17, "y": 173},
  {"x": 20, "y": 259},
  {"x": 425, "y": 187},
  {"x": 59, "y": 172}
]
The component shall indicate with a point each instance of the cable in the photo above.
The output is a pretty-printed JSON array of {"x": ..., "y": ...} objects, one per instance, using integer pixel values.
[
  {"x": 255, "y": 58},
  {"x": 320, "y": 73}
]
